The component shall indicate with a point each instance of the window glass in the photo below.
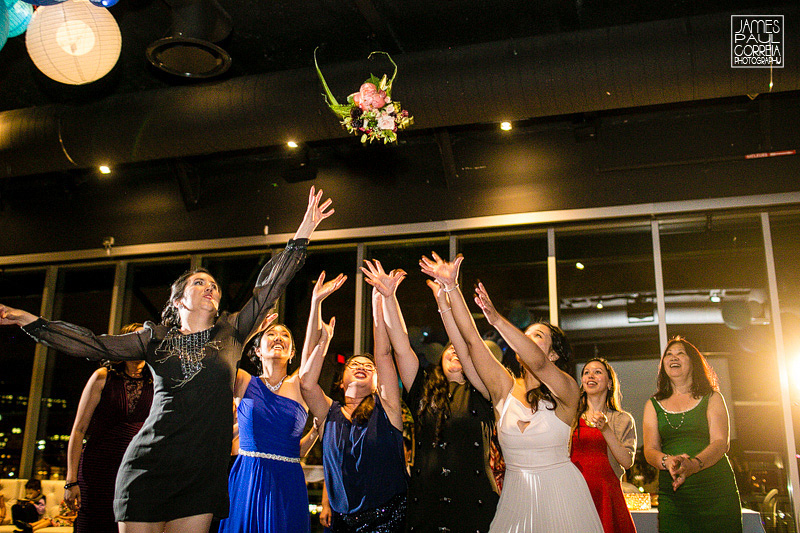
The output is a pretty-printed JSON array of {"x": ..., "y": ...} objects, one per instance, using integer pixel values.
[
  {"x": 148, "y": 288},
  {"x": 606, "y": 291},
  {"x": 21, "y": 290},
  {"x": 513, "y": 269},
  {"x": 83, "y": 297},
  {"x": 785, "y": 229},
  {"x": 425, "y": 329},
  {"x": 716, "y": 294}
]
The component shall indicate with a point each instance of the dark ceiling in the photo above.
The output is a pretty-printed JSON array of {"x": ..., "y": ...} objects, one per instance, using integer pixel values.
[{"x": 279, "y": 35}]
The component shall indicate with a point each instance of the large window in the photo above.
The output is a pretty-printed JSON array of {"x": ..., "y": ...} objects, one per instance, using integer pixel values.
[
  {"x": 83, "y": 297},
  {"x": 606, "y": 291},
  {"x": 148, "y": 288},
  {"x": 716, "y": 294},
  {"x": 513, "y": 268},
  {"x": 21, "y": 290}
]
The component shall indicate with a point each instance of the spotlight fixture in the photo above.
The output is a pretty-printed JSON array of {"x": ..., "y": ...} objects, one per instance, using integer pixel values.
[
  {"x": 505, "y": 126},
  {"x": 715, "y": 297},
  {"x": 600, "y": 305},
  {"x": 579, "y": 265},
  {"x": 104, "y": 169},
  {"x": 291, "y": 144}
]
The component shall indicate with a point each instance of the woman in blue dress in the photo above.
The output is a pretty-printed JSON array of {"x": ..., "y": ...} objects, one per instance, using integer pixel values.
[
  {"x": 362, "y": 438},
  {"x": 266, "y": 486}
]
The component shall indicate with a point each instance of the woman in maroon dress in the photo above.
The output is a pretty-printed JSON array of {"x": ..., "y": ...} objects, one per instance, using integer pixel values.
[
  {"x": 112, "y": 409},
  {"x": 604, "y": 443}
]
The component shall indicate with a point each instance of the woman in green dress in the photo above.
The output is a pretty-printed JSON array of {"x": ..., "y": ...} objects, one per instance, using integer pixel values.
[{"x": 686, "y": 437}]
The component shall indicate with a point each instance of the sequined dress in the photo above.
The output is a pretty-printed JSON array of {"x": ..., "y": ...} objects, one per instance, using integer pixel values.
[
  {"x": 123, "y": 407},
  {"x": 266, "y": 485},
  {"x": 452, "y": 484},
  {"x": 543, "y": 492},
  {"x": 177, "y": 465}
]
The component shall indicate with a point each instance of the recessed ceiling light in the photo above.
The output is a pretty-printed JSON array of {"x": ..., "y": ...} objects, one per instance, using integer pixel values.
[
  {"x": 579, "y": 265},
  {"x": 505, "y": 126},
  {"x": 104, "y": 169},
  {"x": 599, "y": 305},
  {"x": 291, "y": 144}
]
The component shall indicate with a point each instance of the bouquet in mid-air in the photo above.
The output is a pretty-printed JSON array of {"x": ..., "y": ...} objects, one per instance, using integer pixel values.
[{"x": 371, "y": 112}]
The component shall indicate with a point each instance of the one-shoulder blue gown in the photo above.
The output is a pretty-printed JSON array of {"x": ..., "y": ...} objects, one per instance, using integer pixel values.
[{"x": 268, "y": 494}]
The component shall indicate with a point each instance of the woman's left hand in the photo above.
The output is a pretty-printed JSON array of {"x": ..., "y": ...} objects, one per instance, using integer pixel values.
[
  {"x": 686, "y": 467},
  {"x": 598, "y": 420},
  {"x": 385, "y": 283},
  {"x": 315, "y": 213}
]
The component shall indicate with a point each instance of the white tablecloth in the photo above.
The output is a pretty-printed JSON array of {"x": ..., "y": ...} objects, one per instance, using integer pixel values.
[{"x": 647, "y": 521}]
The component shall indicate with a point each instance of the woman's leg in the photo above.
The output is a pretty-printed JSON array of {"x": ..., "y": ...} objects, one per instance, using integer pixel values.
[
  {"x": 199, "y": 523},
  {"x": 141, "y": 527}
]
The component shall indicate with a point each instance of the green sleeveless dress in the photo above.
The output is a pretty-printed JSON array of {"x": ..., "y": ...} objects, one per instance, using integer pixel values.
[{"x": 708, "y": 500}]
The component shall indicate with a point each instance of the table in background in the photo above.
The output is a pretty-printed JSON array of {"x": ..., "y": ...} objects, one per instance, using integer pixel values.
[{"x": 647, "y": 521}]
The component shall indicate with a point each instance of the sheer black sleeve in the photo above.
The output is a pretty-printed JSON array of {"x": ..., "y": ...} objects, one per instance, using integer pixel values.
[{"x": 80, "y": 342}]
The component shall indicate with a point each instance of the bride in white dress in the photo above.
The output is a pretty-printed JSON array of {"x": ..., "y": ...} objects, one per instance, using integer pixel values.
[{"x": 543, "y": 492}]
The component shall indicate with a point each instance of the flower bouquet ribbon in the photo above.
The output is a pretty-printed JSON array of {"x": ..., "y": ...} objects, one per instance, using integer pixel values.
[{"x": 370, "y": 112}]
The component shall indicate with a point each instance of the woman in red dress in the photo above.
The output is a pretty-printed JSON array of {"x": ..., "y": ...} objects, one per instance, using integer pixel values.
[{"x": 604, "y": 443}]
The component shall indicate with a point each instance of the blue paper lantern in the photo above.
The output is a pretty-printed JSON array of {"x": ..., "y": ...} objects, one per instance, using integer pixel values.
[
  {"x": 3, "y": 26},
  {"x": 104, "y": 3},
  {"x": 44, "y": 2},
  {"x": 19, "y": 15}
]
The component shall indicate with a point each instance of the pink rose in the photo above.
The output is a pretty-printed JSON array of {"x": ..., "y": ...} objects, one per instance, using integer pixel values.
[
  {"x": 386, "y": 122},
  {"x": 368, "y": 88},
  {"x": 378, "y": 100}
]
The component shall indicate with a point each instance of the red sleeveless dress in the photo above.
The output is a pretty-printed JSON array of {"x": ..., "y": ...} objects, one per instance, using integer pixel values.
[{"x": 590, "y": 456}]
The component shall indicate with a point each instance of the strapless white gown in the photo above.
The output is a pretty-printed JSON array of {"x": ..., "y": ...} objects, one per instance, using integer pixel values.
[{"x": 543, "y": 492}]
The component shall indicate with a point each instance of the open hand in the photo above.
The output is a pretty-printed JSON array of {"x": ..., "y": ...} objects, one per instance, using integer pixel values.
[
  {"x": 486, "y": 305},
  {"x": 10, "y": 316},
  {"x": 323, "y": 289},
  {"x": 385, "y": 283},
  {"x": 315, "y": 213},
  {"x": 444, "y": 272}
]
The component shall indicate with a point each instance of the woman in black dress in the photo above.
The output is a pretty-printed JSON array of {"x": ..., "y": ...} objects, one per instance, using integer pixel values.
[
  {"x": 174, "y": 473},
  {"x": 452, "y": 486}
]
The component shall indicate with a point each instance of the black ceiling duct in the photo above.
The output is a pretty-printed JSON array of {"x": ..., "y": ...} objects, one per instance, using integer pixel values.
[{"x": 548, "y": 75}]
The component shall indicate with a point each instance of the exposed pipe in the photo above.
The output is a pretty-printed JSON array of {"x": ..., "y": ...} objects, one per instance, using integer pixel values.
[{"x": 548, "y": 75}]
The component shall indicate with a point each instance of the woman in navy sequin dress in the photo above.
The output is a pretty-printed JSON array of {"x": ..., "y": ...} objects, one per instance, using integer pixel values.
[{"x": 362, "y": 438}]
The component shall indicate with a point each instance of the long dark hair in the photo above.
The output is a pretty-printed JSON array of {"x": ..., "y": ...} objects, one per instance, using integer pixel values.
[
  {"x": 434, "y": 399},
  {"x": 364, "y": 410},
  {"x": 561, "y": 346},
  {"x": 170, "y": 316},
  {"x": 704, "y": 379}
]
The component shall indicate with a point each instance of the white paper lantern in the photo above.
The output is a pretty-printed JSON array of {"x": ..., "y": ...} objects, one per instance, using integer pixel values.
[{"x": 73, "y": 42}]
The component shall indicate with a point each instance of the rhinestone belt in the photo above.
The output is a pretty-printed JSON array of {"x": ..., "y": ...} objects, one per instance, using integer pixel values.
[{"x": 269, "y": 456}]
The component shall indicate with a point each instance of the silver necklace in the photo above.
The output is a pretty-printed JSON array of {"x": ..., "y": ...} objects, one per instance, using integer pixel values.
[
  {"x": 666, "y": 417},
  {"x": 274, "y": 388}
]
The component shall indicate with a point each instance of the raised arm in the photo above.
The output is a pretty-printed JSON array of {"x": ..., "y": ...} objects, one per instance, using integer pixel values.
[
  {"x": 388, "y": 386},
  {"x": 495, "y": 377},
  {"x": 279, "y": 271},
  {"x": 310, "y": 368},
  {"x": 386, "y": 285},
  {"x": 562, "y": 385},
  {"x": 90, "y": 397},
  {"x": 308, "y": 440},
  {"x": 322, "y": 289},
  {"x": 459, "y": 344}
]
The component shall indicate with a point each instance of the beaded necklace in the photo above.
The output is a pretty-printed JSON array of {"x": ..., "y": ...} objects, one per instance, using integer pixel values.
[{"x": 190, "y": 349}]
